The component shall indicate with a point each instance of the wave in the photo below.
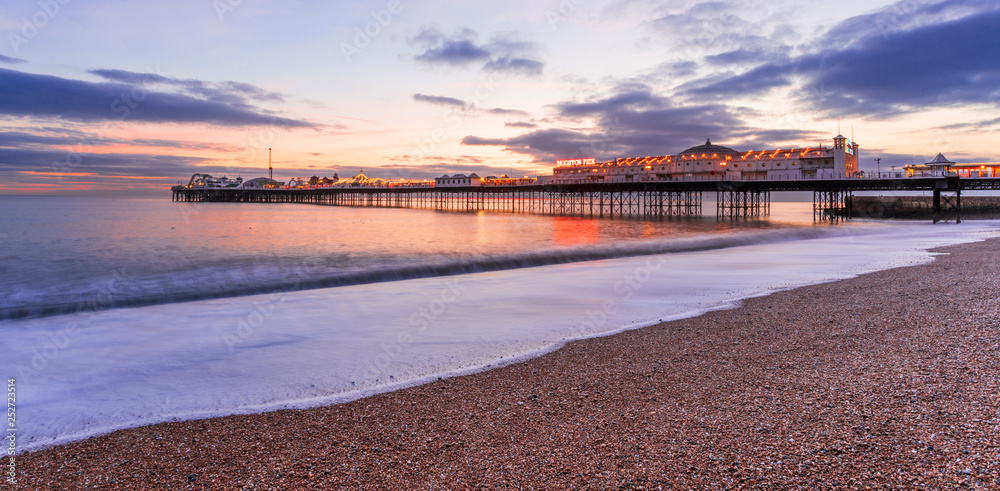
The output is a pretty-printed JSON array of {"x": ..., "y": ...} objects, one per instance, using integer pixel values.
[{"x": 188, "y": 286}]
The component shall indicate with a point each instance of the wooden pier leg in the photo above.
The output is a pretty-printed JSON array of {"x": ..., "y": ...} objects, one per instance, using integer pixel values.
[
  {"x": 937, "y": 205},
  {"x": 958, "y": 206}
]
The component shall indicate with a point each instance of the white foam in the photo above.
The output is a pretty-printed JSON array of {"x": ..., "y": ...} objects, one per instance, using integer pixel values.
[{"x": 86, "y": 374}]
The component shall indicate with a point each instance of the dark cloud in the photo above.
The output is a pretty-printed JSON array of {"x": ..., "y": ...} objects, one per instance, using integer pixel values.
[
  {"x": 31, "y": 95},
  {"x": 115, "y": 164},
  {"x": 459, "y": 49},
  {"x": 627, "y": 96},
  {"x": 439, "y": 100},
  {"x": 975, "y": 125},
  {"x": 683, "y": 68},
  {"x": 747, "y": 56},
  {"x": 887, "y": 63},
  {"x": 935, "y": 65},
  {"x": 458, "y": 103},
  {"x": 903, "y": 16},
  {"x": 633, "y": 121},
  {"x": 134, "y": 78},
  {"x": 229, "y": 92},
  {"x": 520, "y": 124},
  {"x": 545, "y": 145},
  {"x": 504, "y": 53},
  {"x": 19, "y": 139},
  {"x": 12, "y": 61},
  {"x": 756, "y": 81},
  {"x": 507, "y": 112},
  {"x": 475, "y": 140},
  {"x": 521, "y": 66}
]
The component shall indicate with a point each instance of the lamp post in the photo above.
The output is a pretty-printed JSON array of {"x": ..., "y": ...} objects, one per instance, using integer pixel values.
[
  {"x": 878, "y": 164},
  {"x": 893, "y": 172}
]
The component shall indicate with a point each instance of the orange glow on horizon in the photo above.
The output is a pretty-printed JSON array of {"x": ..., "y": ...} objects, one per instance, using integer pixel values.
[
  {"x": 142, "y": 177},
  {"x": 39, "y": 173}
]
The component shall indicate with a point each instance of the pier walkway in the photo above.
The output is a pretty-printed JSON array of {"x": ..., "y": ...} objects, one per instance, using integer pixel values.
[{"x": 831, "y": 197}]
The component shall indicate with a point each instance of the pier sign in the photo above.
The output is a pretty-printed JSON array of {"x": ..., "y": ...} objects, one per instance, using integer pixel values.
[{"x": 575, "y": 162}]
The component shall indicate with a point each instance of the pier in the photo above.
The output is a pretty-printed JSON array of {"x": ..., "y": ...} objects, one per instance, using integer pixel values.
[{"x": 734, "y": 199}]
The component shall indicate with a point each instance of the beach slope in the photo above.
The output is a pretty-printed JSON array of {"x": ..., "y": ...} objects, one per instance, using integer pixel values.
[{"x": 890, "y": 379}]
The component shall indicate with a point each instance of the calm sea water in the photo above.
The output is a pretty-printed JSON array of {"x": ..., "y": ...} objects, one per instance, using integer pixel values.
[
  {"x": 68, "y": 254},
  {"x": 123, "y": 312}
]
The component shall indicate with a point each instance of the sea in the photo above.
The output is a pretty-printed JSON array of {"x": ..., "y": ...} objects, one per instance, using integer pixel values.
[{"x": 123, "y": 312}]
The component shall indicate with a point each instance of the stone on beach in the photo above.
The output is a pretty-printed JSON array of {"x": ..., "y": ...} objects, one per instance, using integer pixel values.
[{"x": 885, "y": 380}]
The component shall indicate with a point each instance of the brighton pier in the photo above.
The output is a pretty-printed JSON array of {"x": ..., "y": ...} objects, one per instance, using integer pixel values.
[
  {"x": 649, "y": 187},
  {"x": 831, "y": 197}
]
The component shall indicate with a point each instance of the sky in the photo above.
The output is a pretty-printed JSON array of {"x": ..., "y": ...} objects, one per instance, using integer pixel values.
[{"x": 129, "y": 97}]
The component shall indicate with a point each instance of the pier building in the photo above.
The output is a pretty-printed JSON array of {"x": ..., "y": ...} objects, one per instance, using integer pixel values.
[
  {"x": 711, "y": 162},
  {"x": 202, "y": 181},
  {"x": 942, "y": 167},
  {"x": 457, "y": 180}
]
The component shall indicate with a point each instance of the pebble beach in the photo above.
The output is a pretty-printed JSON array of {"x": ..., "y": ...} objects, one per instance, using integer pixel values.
[{"x": 890, "y": 380}]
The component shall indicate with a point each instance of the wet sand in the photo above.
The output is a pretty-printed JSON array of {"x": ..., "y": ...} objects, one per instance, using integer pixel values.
[{"x": 888, "y": 380}]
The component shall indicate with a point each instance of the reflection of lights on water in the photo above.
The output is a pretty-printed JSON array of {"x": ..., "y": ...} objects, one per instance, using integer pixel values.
[{"x": 574, "y": 231}]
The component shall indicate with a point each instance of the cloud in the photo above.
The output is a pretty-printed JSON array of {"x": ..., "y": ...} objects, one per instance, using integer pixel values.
[
  {"x": 507, "y": 112},
  {"x": 745, "y": 56},
  {"x": 522, "y": 66},
  {"x": 115, "y": 164},
  {"x": 439, "y": 167},
  {"x": 633, "y": 121},
  {"x": 720, "y": 26},
  {"x": 228, "y": 92},
  {"x": 756, "y": 81},
  {"x": 475, "y": 140},
  {"x": 459, "y": 49},
  {"x": 20, "y": 139},
  {"x": 977, "y": 125},
  {"x": 931, "y": 65},
  {"x": 439, "y": 100},
  {"x": 12, "y": 61},
  {"x": 504, "y": 53},
  {"x": 32, "y": 95},
  {"x": 520, "y": 124},
  {"x": 883, "y": 64},
  {"x": 470, "y": 107},
  {"x": 627, "y": 96}
]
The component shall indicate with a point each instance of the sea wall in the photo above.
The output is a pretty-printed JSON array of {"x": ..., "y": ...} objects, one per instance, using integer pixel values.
[{"x": 922, "y": 207}]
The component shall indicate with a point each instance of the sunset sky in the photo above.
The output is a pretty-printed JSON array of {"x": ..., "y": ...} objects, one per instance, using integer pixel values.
[{"x": 130, "y": 97}]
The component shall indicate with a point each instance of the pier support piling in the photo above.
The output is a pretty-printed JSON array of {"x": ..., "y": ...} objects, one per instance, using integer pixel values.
[
  {"x": 737, "y": 203},
  {"x": 831, "y": 205}
]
